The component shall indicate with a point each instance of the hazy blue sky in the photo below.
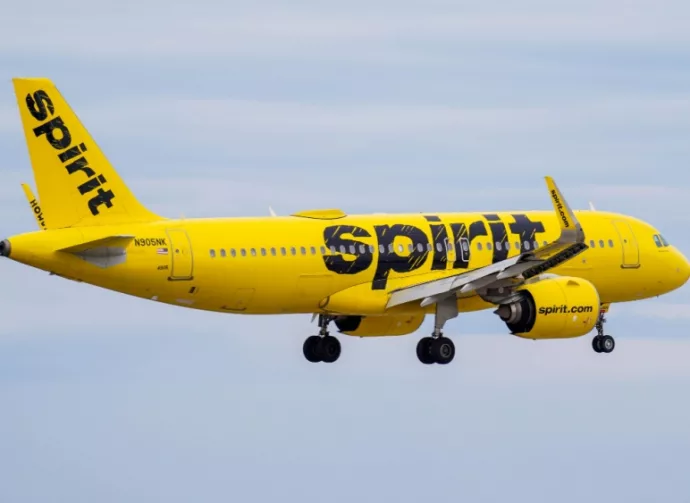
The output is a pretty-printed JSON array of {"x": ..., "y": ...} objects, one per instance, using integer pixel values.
[{"x": 226, "y": 108}]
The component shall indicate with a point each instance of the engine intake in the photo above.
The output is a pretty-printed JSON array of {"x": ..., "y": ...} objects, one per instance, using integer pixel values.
[{"x": 553, "y": 308}]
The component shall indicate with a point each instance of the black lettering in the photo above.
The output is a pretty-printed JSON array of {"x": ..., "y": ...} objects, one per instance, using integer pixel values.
[
  {"x": 526, "y": 229},
  {"x": 333, "y": 237},
  {"x": 49, "y": 128},
  {"x": 463, "y": 241},
  {"x": 439, "y": 236},
  {"x": 89, "y": 185},
  {"x": 499, "y": 237},
  {"x": 390, "y": 260},
  {"x": 39, "y": 105},
  {"x": 80, "y": 164},
  {"x": 103, "y": 197},
  {"x": 71, "y": 153}
]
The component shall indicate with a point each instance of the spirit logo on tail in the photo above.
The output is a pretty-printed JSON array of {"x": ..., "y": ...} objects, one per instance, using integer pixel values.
[{"x": 41, "y": 107}]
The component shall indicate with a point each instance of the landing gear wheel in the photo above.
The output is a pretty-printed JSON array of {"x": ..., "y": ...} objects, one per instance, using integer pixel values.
[
  {"x": 424, "y": 350},
  {"x": 443, "y": 350},
  {"x": 596, "y": 343},
  {"x": 330, "y": 349},
  {"x": 311, "y": 349},
  {"x": 607, "y": 344}
]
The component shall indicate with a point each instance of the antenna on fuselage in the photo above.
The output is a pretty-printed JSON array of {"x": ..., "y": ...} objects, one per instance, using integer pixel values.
[
  {"x": 273, "y": 213},
  {"x": 591, "y": 206}
]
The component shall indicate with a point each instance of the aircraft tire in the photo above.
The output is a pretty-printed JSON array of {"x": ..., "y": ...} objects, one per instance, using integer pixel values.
[
  {"x": 596, "y": 343},
  {"x": 329, "y": 349},
  {"x": 607, "y": 344},
  {"x": 443, "y": 350},
  {"x": 311, "y": 349},
  {"x": 424, "y": 350}
]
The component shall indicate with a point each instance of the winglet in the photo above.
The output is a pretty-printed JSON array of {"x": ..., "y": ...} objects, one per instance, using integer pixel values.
[
  {"x": 570, "y": 228},
  {"x": 35, "y": 207}
]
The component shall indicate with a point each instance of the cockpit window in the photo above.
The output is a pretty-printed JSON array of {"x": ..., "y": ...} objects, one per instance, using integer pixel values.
[
  {"x": 657, "y": 240},
  {"x": 663, "y": 241}
]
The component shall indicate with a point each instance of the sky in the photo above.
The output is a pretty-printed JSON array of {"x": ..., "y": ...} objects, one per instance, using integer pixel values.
[{"x": 227, "y": 108}]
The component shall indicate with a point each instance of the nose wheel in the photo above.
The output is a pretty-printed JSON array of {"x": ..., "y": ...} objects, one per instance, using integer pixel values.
[{"x": 602, "y": 343}]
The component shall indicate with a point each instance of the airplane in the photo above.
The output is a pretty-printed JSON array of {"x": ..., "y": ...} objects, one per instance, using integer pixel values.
[{"x": 545, "y": 274}]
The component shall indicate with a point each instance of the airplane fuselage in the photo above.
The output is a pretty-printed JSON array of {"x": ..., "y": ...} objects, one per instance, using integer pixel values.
[{"x": 303, "y": 263}]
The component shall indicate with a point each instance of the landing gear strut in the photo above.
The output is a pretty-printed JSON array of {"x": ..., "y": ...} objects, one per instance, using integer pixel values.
[
  {"x": 602, "y": 343},
  {"x": 439, "y": 349},
  {"x": 323, "y": 347}
]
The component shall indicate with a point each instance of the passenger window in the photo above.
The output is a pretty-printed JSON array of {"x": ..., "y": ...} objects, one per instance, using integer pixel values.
[
  {"x": 601, "y": 243},
  {"x": 352, "y": 249},
  {"x": 536, "y": 244},
  {"x": 400, "y": 248},
  {"x": 273, "y": 252},
  {"x": 313, "y": 250},
  {"x": 410, "y": 248},
  {"x": 371, "y": 249},
  {"x": 656, "y": 240},
  {"x": 465, "y": 246},
  {"x": 450, "y": 246},
  {"x": 293, "y": 250},
  {"x": 526, "y": 245},
  {"x": 545, "y": 243},
  {"x": 332, "y": 248},
  {"x": 253, "y": 252},
  {"x": 362, "y": 249},
  {"x": 303, "y": 250},
  {"x": 498, "y": 245},
  {"x": 283, "y": 251},
  {"x": 517, "y": 245},
  {"x": 232, "y": 252},
  {"x": 507, "y": 245},
  {"x": 243, "y": 252},
  {"x": 342, "y": 249},
  {"x": 263, "y": 251},
  {"x": 610, "y": 243},
  {"x": 429, "y": 247},
  {"x": 591, "y": 244},
  {"x": 488, "y": 246},
  {"x": 479, "y": 246},
  {"x": 213, "y": 252},
  {"x": 438, "y": 247},
  {"x": 222, "y": 252},
  {"x": 382, "y": 249},
  {"x": 390, "y": 248},
  {"x": 323, "y": 250},
  {"x": 420, "y": 247}
]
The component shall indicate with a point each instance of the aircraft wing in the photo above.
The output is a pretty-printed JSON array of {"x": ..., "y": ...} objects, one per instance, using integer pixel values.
[{"x": 511, "y": 271}]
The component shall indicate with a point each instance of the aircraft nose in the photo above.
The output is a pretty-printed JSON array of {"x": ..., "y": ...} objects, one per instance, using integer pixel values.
[{"x": 683, "y": 268}]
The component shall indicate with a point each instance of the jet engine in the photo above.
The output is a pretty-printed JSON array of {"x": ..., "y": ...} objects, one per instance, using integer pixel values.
[
  {"x": 553, "y": 308},
  {"x": 379, "y": 326}
]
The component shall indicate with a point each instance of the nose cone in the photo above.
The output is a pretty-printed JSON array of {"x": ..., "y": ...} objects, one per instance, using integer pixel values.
[{"x": 682, "y": 268}]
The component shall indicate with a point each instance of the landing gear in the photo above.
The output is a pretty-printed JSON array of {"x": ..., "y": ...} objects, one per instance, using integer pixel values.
[
  {"x": 323, "y": 347},
  {"x": 439, "y": 349},
  {"x": 602, "y": 343}
]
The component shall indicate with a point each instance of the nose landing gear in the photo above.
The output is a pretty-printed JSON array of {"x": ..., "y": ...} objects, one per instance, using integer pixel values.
[{"x": 602, "y": 343}]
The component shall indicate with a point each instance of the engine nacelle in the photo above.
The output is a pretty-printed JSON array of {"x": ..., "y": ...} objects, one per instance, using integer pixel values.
[
  {"x": 554, "y": 308},
  {"x": 379, "y": 326}
]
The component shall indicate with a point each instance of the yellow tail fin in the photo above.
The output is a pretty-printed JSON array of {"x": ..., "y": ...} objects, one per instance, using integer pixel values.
[{"x": 76, "y": 184}]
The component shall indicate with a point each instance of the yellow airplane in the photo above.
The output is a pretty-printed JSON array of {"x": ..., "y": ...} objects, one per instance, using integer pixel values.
[{"x": 546, "y": 274}]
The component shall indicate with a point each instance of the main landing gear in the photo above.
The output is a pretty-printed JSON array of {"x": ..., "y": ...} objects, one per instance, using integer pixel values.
[
  {"x": 439, "y": 349},
  {"x": 323, "y": 347},
  {"x": 602, "y": 343}
]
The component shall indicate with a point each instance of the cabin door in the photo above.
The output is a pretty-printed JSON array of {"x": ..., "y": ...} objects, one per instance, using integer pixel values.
[
  {"x": 181, "y": 257},
  {"x": 630, "y": 252}
]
